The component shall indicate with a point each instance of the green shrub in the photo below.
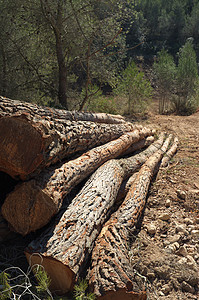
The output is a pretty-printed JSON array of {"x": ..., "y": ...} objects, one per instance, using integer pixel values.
[
  {"x": 102, "y": 104},
  {"x": 165, "y": 73},
  {"x": 185, "y": 101},
  {"x": 138, "y": 89}
]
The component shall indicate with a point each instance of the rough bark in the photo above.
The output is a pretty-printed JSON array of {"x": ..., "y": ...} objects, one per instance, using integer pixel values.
[
  {"x": 10, "y": 107},
  {"x": 111, "y": 276},
  {"x": 71, "y": 240},
  {"x": 170, "y": 153},
  {"x": 32, "y": 204},
  {"x": 29, "y": 143},
  {"x": 145, "y": 142},
  {"x": 66, "y": 247}
]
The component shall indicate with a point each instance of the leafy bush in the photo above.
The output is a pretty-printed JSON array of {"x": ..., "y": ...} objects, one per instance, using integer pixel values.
[
  {"x": 165, "y": 73},
  {"x": 178, "y": 83},
  {"x": 187, "y": 80},
  {"x": 102, "y": 104},
  {"x": 138, "y": 89}
]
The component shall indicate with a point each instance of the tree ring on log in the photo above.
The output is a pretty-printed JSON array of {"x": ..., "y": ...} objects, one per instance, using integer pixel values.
[
  {"x": 28, "y": 210},
  {"x": 19, "y": 147},
  {"x": 63, "y": 277}
]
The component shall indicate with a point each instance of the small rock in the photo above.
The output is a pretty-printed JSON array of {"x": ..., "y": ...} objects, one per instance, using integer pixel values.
[
  {"x": 168, "y": 203},
  {"x": 195, "y": 234},
  {"x": 182, "y": 251},
  {"x": 188, "y": 221},
  {"x": 181, "y": 194},
  {"x": 165, "y": 216},
  {"x": 175, "y": 238},
  {"x": 187, "y": 287},
  {"x": 166, "y": 288},
  {"x": 173, "y": 247},
  {"x": 182, "y": 261},
  {"x": 180, "y": 228},
  {"x": 191, "y": 227},
  {"x": 151, "y": 228},
  {"x": 191, "y": 262}
]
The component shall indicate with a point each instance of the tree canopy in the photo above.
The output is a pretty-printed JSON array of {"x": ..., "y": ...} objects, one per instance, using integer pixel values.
[{"x": 53, "y": 52}]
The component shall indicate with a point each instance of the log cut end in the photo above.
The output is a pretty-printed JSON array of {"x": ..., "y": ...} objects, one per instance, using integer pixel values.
[
  {"x": 62, "y": 278},
  {"x": 122, "y": 294},
  {"x": 34, "y": 208},
  {"x": 20, "y": 147}
]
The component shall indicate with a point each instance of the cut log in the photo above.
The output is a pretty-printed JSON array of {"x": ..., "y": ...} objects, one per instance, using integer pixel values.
[
  {"x": 32, "y": 204},
  {"x": 69, "y": 242},
  {"x": 111, "y": 276},
  {"x": 28, "y": 144},
  {"x": 10, "y": 107}
]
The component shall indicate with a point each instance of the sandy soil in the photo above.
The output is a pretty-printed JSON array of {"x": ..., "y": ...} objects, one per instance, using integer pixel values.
[{"x": 165, "y": 251}]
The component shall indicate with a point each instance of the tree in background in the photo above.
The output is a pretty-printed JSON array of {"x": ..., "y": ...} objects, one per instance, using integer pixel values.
[
  {"x": 165, "y": 74},
  {"x": 137, "y": 89},
  {"x": 60, "y": 47},
  {"x": 187, "y": 80},
  {"x": 178, "y": 83}
]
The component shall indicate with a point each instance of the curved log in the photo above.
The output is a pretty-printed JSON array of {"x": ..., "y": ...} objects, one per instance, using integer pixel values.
[
  {"x": 111, "y": 274},
  {"x": 32, "y": 204}
]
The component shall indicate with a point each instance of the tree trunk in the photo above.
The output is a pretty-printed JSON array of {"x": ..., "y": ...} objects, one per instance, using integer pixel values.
[
  {"x": 32, "y": 204},
  {"x": 65, "y": 246},
  {"x": 30, "y": 143},
  {"x": 9, "y": 107},
  {"x": 111, "y": 276}
]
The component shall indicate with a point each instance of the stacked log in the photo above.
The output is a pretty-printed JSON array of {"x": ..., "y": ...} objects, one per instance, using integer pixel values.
[
  {"x": 69, "y": 243},
  {"x": 50, "y": 152}
]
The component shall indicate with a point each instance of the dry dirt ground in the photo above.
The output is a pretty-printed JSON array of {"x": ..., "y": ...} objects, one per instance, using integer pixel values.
[{"x": 165, "y": 252}]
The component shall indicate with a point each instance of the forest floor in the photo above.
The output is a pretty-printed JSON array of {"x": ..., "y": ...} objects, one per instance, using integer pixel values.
[{"x": 165, "y": 252}]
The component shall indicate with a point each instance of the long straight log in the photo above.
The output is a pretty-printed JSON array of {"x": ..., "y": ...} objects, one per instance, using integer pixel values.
[
  {"x": 32, "y": 204},
  {"x": 10, "y": 107},
  {"x": 29, "y": 142},
  {"x": 65, "y": 246},
  {"x": 170, "y": 153},
  {"x": 111, "y": 276}
]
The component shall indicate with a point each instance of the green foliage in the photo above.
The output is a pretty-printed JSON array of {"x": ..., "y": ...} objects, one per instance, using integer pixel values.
[
  {"x": 5, "y": 290},
  {"x": 178, "y": 83},
  {"x": 102, "y": 104},
  {"x": 42, "y": 278},
  {"x": 165, "y": 73},
  {"x": 138, "y": 89},
  {"x": 80, "y": 291},
  {"x": 187, "y": 80}
]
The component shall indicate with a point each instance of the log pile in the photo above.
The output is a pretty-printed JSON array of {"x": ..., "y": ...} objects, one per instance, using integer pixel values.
[{"x": 111, "y": 162}]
